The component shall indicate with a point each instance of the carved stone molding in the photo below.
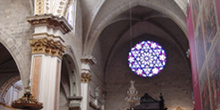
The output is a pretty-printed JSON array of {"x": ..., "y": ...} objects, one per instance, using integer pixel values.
[
  {"x": 48, "y": 47},
  {"x": 50, "y": 21},
  {"x": 74, "y": 108},
  {"x": 86, "y": 77},
  {"x": 46, "y": 35},
  {"x": 39, "y": 9},
  {"x": 88, "y": 59},
  {"x": 74, "y": 102}
]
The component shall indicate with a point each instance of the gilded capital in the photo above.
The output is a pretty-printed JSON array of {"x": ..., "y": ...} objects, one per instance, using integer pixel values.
[
  {"x": 48, "y": 47},
  {"x": 86, "y": 77}
]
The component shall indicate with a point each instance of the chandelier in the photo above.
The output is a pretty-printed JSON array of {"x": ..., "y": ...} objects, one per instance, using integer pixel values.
[{"x": 132, "y": 95}]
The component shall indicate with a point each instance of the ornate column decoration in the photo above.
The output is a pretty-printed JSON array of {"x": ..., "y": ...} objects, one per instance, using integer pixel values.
[
  {"x": 86, "y": 77},
  {"x": 48, "y": 35},
  {"x": 55, "y": 7},
  {"x": 87, "y": 61},
  {"x": 48, "y": 47}
]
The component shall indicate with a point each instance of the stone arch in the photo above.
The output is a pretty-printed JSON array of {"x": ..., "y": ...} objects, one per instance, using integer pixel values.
[
  {"x": 5, "y": 87},
  {"x": 171, "y": 9},
  {"x": 70, "y": 80},
  {"x": 10, "y": 43},
  {"x": 74, "y": 66}
]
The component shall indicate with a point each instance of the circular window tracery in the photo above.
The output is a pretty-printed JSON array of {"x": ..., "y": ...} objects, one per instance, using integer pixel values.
[{"x": 147, "y": 59}]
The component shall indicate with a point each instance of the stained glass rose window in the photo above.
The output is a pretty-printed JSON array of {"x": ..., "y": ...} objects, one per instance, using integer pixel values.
[{"x": 147, "y": 58}]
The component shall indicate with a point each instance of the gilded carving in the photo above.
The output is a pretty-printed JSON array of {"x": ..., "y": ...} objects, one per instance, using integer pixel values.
[
  {"x": 61, "y": 7},
  {"x": 47, "y": 6},
  {"x": 39, "y": 9},
  {"x": 48, "y": 47},
  {"x": 88, "y": 59},
  {"x": 86, "y": 77}
]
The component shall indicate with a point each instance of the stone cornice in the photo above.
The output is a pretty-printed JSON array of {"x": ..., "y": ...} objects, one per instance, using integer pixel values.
[
  {"x": 74, "y": 102},
  {"x": 79, "y": 98},
  {"x": 44, "y": 35},
  {"x": 48, "y": 47},
  {"x": 50, "y": 21},
  {"x": 88, "y": 59}
]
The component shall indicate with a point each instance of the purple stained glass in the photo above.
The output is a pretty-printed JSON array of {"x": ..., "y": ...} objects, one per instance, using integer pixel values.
[{"x": 147, "y": 59}]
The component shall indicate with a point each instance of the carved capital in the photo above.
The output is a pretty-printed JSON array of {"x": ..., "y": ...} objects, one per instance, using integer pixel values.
[
  {"x": 86, "y": 77},
  {"x": 48, "y": 47}
]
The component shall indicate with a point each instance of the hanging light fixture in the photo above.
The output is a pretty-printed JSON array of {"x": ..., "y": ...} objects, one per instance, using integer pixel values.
[
  {"x": 132, "y": 95},
  {"x": 27, "y": 101}
]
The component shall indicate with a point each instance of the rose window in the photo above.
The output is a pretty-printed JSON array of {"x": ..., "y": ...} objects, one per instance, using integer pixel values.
[{"x": 147, "y": 59}]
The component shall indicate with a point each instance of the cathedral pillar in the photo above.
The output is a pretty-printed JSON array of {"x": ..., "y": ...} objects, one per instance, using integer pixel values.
[
  {"x": 86, "y": 77},
  {"x": 47, "y": 49}
]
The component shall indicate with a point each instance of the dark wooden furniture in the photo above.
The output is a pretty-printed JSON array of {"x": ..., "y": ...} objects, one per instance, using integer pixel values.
[{"x": 148, "y": 103}]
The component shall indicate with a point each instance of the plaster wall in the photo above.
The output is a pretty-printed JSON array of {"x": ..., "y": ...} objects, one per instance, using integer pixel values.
[{"x": 97, "y": 70}]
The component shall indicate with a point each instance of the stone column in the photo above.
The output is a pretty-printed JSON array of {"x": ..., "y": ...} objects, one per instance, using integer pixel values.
[
  {"x": 47, "y": 50},
  {"x": 85, "y": 79}
]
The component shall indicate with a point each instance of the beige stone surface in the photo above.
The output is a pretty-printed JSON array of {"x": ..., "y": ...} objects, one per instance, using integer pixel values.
[{"x": 93, "y": 35}]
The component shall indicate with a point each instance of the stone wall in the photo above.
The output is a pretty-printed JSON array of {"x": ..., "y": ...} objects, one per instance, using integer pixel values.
[
  {"x": 174, "y": 82},
  {"x": 15, "y": 33}
]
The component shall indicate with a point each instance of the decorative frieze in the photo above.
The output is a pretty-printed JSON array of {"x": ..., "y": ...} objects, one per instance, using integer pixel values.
[
  {"x": 50, "y": 21},
  {"x": 39, "y": 7},
  {"x": 86, "y": 77},
  {"x": 48, "y": 47}
]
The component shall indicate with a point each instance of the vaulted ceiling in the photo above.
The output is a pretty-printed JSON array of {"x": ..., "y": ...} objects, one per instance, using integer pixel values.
[
  {"x": 136, "y": 22},
  {"x": 121, "y": 34}
]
